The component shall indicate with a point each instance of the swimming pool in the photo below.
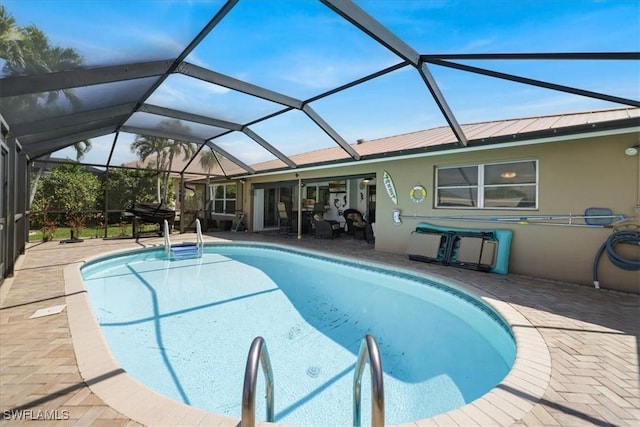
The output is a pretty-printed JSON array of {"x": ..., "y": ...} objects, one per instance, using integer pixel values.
[{"x": 184, "y": 329}]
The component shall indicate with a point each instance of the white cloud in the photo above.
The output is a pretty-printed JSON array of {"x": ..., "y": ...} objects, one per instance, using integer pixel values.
[{"x": 321, "y": 73}]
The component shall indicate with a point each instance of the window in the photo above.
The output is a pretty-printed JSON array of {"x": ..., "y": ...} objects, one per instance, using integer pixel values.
[
  {"x": 488, "y": 186},
  {"x": 224, "y": 198},
  {"x": 319, "y": 193}
]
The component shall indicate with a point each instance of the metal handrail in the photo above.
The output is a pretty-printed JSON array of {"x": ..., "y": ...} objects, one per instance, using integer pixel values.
[
  {"x": 369, "y": 350},
  {"x": 167, "y": 240},
  {"x": 257, "y": 353},
  {"x": 199, "y": 240}
]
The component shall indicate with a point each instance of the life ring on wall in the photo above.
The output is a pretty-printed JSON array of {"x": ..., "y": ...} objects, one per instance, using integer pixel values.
[{"x": 418, "y": 193}]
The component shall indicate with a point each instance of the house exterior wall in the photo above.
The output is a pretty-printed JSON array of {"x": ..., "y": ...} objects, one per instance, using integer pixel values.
[{"x": 573, "y": 175}]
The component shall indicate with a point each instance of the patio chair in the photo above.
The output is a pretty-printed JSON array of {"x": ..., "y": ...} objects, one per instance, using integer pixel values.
[
  {"x": 324, "y": 228},
  {"x": 355, "y": 223},
  {"x": 284, "y": 220}
]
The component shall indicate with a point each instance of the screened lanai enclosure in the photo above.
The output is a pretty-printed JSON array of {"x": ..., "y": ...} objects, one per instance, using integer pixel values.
[{"x": 157, "y": 99}]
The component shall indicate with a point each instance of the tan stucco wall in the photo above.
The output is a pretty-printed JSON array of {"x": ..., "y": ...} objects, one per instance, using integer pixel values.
[{"x": 573, "y": 175}]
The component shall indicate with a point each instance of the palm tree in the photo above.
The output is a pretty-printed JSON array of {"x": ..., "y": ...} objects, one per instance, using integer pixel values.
[
  {"x": 165, "y": 151},
  {"x": 175, "y": 147},
  {"x": 10, "y": 38},
  {"x": 208, "y": 159},
  {"x": 82, "y": 148},
  {"x": 28, "y": 51},
  {"x": 146, "y": 146}
]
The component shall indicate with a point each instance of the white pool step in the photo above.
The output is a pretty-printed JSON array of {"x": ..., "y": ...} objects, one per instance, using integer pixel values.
[{"x": 185, "y": 251}]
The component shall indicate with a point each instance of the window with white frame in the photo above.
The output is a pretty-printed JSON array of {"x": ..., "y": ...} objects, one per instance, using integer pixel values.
[
  {"x": 319, "y": 193},
  {"x": 224, "y": 198},
  {"x": 512, "y": 185}
]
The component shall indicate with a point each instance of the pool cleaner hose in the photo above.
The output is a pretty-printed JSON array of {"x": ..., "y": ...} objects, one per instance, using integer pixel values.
[{"x": 618, "y": 236}]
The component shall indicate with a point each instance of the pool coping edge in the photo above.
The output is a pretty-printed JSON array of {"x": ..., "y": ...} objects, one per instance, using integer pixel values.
[{"x": 506, "y": 404}]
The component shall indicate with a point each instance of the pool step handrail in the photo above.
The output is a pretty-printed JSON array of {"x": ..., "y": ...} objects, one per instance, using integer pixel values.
[
  {"x": 369, "y": 351},
  {"x": 257, "y": 353},
  {"x": 199, "y": 239},
  {"x": 167, "y": 240},
  {"x": 185, "y": 252}
]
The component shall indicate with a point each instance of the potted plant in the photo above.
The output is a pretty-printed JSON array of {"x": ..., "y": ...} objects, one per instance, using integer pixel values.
[
  {"x": 99, "y": 220},
  {"x": 49, "y": 226},
  {"x": 76, "y": 223},
  {"x": 48, "y": 229}
]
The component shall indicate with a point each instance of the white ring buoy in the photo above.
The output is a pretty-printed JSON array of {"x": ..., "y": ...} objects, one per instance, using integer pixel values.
[{"x": 418, "y": 193}]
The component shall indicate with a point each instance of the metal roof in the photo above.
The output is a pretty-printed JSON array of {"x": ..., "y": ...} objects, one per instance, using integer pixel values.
[
  {"x": 494, "y": 132},
  {"x": 523, "y": 130},
  {"x": 115, "y": 98}
]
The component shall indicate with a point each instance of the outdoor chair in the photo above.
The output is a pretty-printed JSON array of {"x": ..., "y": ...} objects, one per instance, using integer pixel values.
[
  {"x": 324, "y": 228},
  {"x": 355, "y": 221},
  {"x": 284, "y": 219}
]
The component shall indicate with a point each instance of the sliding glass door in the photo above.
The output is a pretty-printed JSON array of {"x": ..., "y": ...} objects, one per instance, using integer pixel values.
[{"x": 272, "y": 194}]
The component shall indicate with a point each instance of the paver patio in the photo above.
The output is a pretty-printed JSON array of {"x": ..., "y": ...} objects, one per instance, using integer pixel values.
[{"x": 591, "y": 336}]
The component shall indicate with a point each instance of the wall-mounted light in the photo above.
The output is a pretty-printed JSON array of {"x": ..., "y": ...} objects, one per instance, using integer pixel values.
[
  {"x": 632, "y": 151},
  {"x": 242, "y": 181},
  {"x": 508, "y": 175}
]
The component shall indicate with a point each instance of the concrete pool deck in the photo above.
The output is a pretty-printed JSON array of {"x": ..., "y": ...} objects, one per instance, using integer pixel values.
[{"x": 578, "y": 365}]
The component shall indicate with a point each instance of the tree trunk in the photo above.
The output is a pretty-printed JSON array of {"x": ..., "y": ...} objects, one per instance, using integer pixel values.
[
  {"x": 159, "y": 186},
  {"x": 159, "y": 178},
  {"x": 165, "y": 189}
]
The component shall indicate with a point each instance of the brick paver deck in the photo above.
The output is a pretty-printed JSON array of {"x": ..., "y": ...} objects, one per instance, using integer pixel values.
[{"x": 590, "y": 335}]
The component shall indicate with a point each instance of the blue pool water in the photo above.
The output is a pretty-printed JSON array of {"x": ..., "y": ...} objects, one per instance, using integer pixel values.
[{"x": 184, "y": 328}]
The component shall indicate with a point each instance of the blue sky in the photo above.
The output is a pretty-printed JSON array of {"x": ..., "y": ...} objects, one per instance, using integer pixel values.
[{"x": 302, "y": 49}]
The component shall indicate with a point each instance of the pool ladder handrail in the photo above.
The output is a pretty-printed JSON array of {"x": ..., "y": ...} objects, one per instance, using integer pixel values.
[
  {"x": 167, "y": 240},
  {"x": 369, "y": 350},
  {"x": 199, "y": 239},
  {"x": 257, "y": 353}
]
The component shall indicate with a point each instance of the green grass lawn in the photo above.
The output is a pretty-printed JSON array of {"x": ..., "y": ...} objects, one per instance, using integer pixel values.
[{"x": 63, "y": 233}]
